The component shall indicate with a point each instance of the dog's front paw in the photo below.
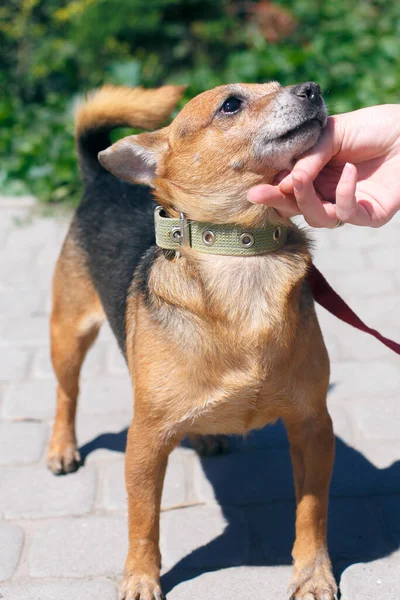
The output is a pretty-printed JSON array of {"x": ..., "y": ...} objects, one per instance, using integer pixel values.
[
  {"x": 313, "y": 582},
  {"x": 63, "y": 457},
  {"x": 140, "y": 587}
]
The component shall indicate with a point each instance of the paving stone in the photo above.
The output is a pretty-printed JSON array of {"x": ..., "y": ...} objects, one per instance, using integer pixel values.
[
  {"x": 347, "y": 343},
  {"x": 333, "y": 345},
  {"x": 390, "y": 507},
  {"x": 102, "y": 437},
  {"x": 384, "y": 454},
  {"x": 355, "y": 475},
  {"x": 175, "y": 491},
  {"x": 386, "y": 259},
  {"x": 237, "y": 583},
  {"x": 362, "y": 266},
  {"x": 382, "y": 312},
  {"x": 355, "y": 530},
  {"x": 47, "y": 303},
  {"x": 321, "y": 243},
  {"x": 26, "y": 331},
  {"x": 19, "y": 272},
  {"x": 3, "y": 391},
  {"x": 379, "y": 579},
  {"x": 48, "y": 255},
  {"x": 116, "y": 363},
  {"x": 21, "y": 443},
  {"x": 357, "y": 239},
  {"x": 265, "y": 476},
  {"x": 13, "y": 363},
  {"x": 30, "y": 400},
  {"x": 106, "y": 334},
  {"x": 272, "y": 533},
  {"x": 352, "y": 379},
  {"x": 61, "y": 590},
  {"x": 33, "y": 234},
  {"x": 22, "y": 301},
  {"x": 342, "y": 261},
  {"x": 115, "y": 497},
  {"x": 378, "y": 419},
  {"x": 11, "y": 542},
  {"x": 204, "y": 537},
  {"x": 34, "y": 492},
  {"x": 341, "y": 422},
  {"x": 80, "y": 547},
  {"x": 377, "y": 287},
  {"x": 106, "y": 394}
]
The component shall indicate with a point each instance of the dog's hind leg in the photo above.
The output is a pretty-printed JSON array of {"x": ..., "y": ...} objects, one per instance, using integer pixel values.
[{"x": 75, "y": 321}]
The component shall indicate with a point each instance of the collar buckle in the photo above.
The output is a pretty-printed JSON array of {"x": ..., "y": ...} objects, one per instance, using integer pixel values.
[
  {"x": 184, "y": 230},
  {"x": 180, "y": 233}
]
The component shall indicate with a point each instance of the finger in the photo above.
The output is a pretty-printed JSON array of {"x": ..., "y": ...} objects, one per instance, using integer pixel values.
[
  {"x": 315, "y": 159},
  {"x": 270, "y": 195},
  {"x": 316, "y": 212},
  {"x": 346, "y": 203},
  {"x": 348, "y": 208},
  {"x": 379, "y": 202}
]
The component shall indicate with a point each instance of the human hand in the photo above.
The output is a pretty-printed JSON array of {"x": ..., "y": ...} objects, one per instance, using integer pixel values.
[{"x": 352, "y": 174}]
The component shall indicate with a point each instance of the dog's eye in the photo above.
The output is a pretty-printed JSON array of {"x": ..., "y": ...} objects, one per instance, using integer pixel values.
[{"x": 231, "y": 105}]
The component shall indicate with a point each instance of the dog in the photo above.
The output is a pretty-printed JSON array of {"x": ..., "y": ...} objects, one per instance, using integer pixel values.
[{"x": 216, "y": 321}]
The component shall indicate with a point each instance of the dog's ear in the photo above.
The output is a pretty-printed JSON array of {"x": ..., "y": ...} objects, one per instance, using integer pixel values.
[{"x": 135, "y": 158}]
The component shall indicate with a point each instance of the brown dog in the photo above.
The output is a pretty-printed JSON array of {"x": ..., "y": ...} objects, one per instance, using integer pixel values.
[{"x": 215, "y": 343}]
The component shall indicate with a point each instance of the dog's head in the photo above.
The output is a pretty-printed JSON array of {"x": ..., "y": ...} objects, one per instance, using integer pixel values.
[{"x": 223, "y": 142}]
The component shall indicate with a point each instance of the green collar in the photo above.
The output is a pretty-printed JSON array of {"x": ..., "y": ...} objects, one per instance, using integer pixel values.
[{"x": 209, "y": 238}]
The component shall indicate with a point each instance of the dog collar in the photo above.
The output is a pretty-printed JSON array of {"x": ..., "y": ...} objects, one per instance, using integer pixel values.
[{"x": 210, "y": 238}]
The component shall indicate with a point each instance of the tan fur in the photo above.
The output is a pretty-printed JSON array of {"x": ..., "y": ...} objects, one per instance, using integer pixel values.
[
  {"x": 75, "y": 321},
  {"x": 136, "y": 107},
  {"x": 221, "y": 345}
]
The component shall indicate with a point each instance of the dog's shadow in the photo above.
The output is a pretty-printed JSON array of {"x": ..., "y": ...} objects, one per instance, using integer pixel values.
[{"x": 253, "y": 485}]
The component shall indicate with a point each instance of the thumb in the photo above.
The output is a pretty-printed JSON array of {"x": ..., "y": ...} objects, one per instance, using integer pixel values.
[{"x": 315, "y": 159}]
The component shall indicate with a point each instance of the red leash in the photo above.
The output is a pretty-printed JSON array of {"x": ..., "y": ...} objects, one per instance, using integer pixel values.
[{"x": 332, "y": 302}]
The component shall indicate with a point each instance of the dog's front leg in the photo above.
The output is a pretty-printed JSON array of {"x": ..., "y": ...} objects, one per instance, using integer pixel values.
[
  {"x": 145, "y": 465},
  {"x": 312, "y": 451}
]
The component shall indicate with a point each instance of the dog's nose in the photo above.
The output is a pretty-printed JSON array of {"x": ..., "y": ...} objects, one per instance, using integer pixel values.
[{"x": 309, "y": 91}]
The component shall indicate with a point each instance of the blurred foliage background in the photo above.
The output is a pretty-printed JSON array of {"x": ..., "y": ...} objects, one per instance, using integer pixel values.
[{"x": 52, "y": 51}]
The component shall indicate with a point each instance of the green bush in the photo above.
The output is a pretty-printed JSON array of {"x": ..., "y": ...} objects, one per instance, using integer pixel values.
[{"x": 54, "y": 51}]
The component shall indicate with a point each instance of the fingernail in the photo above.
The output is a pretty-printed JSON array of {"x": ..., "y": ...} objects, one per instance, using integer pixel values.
[
  {"x": 347, "y": 171},
  {"x": 298, "y": 184},
  {"x": 286, "y": 185}
]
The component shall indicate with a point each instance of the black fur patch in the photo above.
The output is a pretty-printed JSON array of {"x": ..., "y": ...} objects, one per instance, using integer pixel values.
[
  {"x": 90, "y": 143},
  {"x": 142, "y": 273},
  {"x": 115, "y": 227}
]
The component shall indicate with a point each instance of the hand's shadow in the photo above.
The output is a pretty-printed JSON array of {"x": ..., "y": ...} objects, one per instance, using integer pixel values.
[{"x": 253, "y": 484}]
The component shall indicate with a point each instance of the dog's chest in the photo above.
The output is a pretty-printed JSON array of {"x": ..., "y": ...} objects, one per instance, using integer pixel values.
[
  {"x": 231, "y": 327},
  {"x": 240, "y": 384},
  {"x": 247, "y": 294}
]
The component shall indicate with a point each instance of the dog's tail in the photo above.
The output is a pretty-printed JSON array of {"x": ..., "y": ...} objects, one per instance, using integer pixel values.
[{"x": 120, "y": 106}]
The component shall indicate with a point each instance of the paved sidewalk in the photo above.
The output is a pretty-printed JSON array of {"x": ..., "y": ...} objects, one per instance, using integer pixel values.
[{"x": 65, "y": 538}]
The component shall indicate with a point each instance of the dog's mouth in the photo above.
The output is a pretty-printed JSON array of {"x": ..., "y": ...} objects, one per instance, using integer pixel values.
[
  {"x": 292, "y": 139},
  {"x": 308, "y": 126}
]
